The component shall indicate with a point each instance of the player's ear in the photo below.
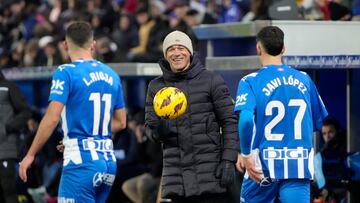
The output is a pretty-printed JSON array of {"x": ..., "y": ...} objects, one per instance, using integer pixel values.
[
  {"x": 93, "y": 45},
  {"x": 283, "y": 50},
  {"x": 65, "y": 45},
  {"x": 258, "y": 49}
]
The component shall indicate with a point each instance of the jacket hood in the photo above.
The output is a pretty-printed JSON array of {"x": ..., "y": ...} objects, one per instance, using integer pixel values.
[{"x": 195, "y": 68}]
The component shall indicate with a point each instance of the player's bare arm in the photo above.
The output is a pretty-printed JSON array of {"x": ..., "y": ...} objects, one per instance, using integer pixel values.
[
  {"x": 118, "y": 120},
  {"x": 46, "y": 127}
]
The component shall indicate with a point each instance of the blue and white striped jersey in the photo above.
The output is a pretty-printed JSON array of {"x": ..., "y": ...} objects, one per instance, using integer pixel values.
[
  {"x": 287, "y": 110},
  {"x": 90, "y": 91}
]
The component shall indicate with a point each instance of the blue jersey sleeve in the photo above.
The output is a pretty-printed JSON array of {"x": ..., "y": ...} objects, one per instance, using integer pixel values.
[
  {"x": 317, "y": 106},
  {"x": 245, "y": 98},
  {"x": 246, "y": 129},
  {"x": 120, "y": 103},
  {"x": 60, "y": 86}
]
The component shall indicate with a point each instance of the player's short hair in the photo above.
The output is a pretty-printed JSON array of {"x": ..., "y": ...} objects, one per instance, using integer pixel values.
[
  {"x": 80, "y": 33},
  {"x": 272, "y": 39}
]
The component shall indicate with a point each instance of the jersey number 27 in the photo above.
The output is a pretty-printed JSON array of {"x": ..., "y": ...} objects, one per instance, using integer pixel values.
[{"x": 300, "y": 103}]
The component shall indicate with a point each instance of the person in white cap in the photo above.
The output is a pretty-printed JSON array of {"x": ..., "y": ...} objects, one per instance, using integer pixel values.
[{"x": 198, "y": 158}]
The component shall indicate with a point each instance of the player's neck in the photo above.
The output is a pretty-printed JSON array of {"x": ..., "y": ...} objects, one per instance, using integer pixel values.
[
  {"x": 80, "y": 54},
  {"x": 271, "y": 60}
]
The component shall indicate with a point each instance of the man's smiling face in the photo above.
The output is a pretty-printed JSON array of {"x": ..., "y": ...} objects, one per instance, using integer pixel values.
[{"x": 178, "y": 57}]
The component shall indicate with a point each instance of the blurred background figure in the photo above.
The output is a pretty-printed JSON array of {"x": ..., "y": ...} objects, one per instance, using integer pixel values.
[
  {"x": 127, "y": 157},
  {"x": 44, "y": 175},
  {"x": 125, "y": 36},
  {"x": 258, "y": 11},
  {"x": 229, "y": 12},
  {"x": 334, "y": 168},
  {"x": 145, "y": 22},
  {"x": 105, "y": 48},
  {"x": 31, "y": 56},
  {"x": 334, "y": 138},
  {"x": 157, "y": 33},
  {"x": 51, "y": 54},
  {"x": 356, "y": 10},
  {"x": 144, "y": 188}
]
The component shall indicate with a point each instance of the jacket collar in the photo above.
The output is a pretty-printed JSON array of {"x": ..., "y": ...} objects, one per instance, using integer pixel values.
[{"x": 195, "y": 68}]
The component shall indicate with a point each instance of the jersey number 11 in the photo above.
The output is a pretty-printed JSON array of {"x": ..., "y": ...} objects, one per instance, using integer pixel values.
[{"x": 96, "y": 98}]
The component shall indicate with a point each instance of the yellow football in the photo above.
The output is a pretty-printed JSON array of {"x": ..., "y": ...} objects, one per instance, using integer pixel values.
[{"x": 170, "y": 103}]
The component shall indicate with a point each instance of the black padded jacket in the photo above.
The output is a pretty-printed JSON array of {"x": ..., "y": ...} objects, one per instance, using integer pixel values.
[
  {"x": 14, "y": 113},
  {"x": 195, "y": 143}
]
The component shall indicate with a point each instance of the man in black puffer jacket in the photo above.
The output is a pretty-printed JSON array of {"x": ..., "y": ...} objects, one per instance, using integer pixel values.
[
  {"x": 200, "y": 147},
  {"x": 14, "y": 113}
]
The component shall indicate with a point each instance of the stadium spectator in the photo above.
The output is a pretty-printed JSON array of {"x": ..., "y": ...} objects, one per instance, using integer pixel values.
[
  {"x": 73, "y": 9},
  {"x": 55, "y": 12},
  {"x": 356, "y": 10},
  {"x": 146, "y": 23},
  {"x": 192, "y": 18},
  {"x": 177, "y": 17},
  {"x": 177, "y": 21},
  {"x": 125, "y": 36},
  {"x": 157, "y": 34},
  {"x": 143, "y": 188},
  {"x": 49, "y": 49},
  {"x": 105, "y": 49},
  {"x": 14, "y": 113},
  {"x": 309, "y": 9},
  {"x": 229, "y": 12},
  {"x": 271, "y": 105},
  {"x": 88, "y": 96},
  {"x": 198, "y": 158},
  {"x": 5, "y": 59},
  {"x": 338, "y": 11},
  {"x": 31, "y": 56},
  {"x": 334, "y": 155},
  {"x": 130, "y": 6},
  {"x": 204, "y": 15},
  {"x": 258, "y": 11},
  {"x": 334, "y": 139},
  {"x": 96, "y": 24},
  {"x": 17, "y": 54},
  {"x": 323, "y": 6}
]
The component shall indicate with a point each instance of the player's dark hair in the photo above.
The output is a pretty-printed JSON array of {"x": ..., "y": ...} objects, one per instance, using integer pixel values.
[
  {"x": 272, "y": 39},
  {"x": 79, "y": 33}
]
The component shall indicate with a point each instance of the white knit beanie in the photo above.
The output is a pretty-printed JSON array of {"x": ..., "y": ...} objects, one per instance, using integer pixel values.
[{"x": 177, "y": 38}]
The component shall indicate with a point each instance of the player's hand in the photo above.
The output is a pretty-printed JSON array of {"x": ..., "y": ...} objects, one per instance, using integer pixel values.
[
  {"x": 254, "y": 173},
  {"x": 226, "y": 172},
  {"x": 60, "y": 147},
  {"x": 24, "y": 165},
  {"x": 240, "y": 165}
]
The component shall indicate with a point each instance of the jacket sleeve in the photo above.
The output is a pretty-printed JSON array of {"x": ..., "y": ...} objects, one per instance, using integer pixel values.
[
  {"x": 224, "y": 111},
  {"x": 21, "y": 108},
  {"x": 151, "y": 120}
]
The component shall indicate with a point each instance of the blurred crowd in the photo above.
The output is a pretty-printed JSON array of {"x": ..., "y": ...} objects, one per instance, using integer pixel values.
[{"x": 32, "y": 31}]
